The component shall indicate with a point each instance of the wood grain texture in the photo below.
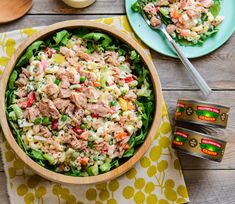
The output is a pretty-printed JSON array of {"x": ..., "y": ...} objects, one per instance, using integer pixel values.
[
  {"x": 204, "y": 186},
  {"x": 1, "y": 163},
  {"x": 44, "y": 20},
  {"x": 210, "y": 186},
  {"x": 220, "y": 97},
  {"x": 58, "y": 7},
  {"x": 226, "y": 98},
  {"x": 3, "y": 192},
  {"x": 207, "y": 182},
  {"x": 216, "y": 68},
  {"x": 14, "y": 9}
]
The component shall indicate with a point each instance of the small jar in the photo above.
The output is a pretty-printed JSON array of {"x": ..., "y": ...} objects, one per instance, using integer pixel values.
[{"x": 79, "y": 3}]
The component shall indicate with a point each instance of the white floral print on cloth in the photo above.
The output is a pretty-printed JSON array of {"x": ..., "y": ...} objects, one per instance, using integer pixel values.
[{"x": 156, "y": 178}]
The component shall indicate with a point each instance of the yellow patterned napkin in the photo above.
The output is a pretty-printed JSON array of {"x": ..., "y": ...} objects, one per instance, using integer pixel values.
[{"x": 156, "y": 178}]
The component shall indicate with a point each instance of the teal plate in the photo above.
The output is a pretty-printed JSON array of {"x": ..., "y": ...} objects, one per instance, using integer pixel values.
[{"x": 157, "y": 41}]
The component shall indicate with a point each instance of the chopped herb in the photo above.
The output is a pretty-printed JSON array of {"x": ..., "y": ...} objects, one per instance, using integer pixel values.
[
  {"x": 37, "y": 121},
  {"x": 113, "y": 103},
  {"x": 83, "y": 126},
  {"x": 46, "y": 121},
  {"x": 57, "y": 82},
  {"x": 123, "y": 92},
  {"x": 82, "y": 79},
  {"x": 90, "y": 144},
  {"x": 64, "y": 118}
]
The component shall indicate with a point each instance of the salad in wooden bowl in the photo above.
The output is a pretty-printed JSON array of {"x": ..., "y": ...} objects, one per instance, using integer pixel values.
[{"x": 80, "y": 99}]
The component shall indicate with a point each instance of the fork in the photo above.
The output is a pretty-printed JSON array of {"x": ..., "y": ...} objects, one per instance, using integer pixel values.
[{"x": 195, "y": 75}]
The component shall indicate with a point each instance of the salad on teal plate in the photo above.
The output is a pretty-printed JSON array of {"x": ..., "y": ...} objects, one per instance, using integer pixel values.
[{"x": 198, "y": 26}]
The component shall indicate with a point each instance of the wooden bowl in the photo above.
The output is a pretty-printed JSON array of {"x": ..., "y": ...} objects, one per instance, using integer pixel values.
[
  {"x": 57, "y": 177},
  {"x": 13, "y": 9}
]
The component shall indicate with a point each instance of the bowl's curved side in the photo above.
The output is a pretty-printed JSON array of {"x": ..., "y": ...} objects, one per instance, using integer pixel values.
[{"x": 70, "y": 179}]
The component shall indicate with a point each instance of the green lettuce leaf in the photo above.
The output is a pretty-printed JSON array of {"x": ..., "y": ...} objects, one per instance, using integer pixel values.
[
  {"x": 61, "y": 37},
  {"x": 18, "y": 136},
  {"x": 136, "y": 7},
  {"x": 32, "y": 49},
  {"x": 215, "y": 8},
  {"x": 80, "y": 32},
  {"x": 12, "y": 79},
  {"x": 103, "y": 38},
  {"x": 36, "y": 154},
  {"x": 129, "y": 153}
]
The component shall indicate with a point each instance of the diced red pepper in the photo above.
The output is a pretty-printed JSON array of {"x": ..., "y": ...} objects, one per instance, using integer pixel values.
[
  {"x": 93, "y": 115},
  {"x": 175, "y": 14},
  {"x": 157, "y": 8},
  {"x": 121, "y": 136},
  {"x": 54, "y": 124},
  {"x": 77, "y": 130},
  {"x": 50, "y": 53},
  {"x": 45, "y": 49},
  {"x": 96, "y": 84},
  {"x": 104, "y": 150},
  {"x": 31, "y": 99},
  {"x": 128, "y": 60},
  {"x": 128, "y": 79},
  {"x": 84, "y": 161}
]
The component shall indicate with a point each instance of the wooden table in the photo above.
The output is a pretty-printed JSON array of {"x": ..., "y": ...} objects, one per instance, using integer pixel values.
[{"x": 207, "y": 182}]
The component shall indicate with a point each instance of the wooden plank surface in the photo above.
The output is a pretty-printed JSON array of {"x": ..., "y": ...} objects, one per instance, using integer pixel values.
[
  {"x": 210, "y": 186},
  {"x": 207, "y": 182},
  {"x": 204, "y": 186},
  {"x": 3, "y": 192},
  {"x": 58, "y": 7},
  {"x": 221, "y": 97},
  {"x": 1, "y": 163},
  {"x": 217, "y": 67}
]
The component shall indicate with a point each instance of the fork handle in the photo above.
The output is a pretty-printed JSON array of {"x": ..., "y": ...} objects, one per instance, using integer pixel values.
[{"x": 201, "y": 83}]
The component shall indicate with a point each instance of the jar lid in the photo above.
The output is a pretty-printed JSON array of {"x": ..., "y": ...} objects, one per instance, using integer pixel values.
[{"x": 78, "y": 3}]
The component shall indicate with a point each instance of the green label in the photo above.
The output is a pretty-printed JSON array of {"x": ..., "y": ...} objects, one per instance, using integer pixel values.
[
  {"x": 207, "y": 114},
  {"x": 210, "y": 147}
]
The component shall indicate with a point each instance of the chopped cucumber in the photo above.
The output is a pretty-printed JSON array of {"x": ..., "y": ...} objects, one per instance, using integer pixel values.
[
  {"x": 93, "y": 170},
  {"x": 105, "y": 167}
]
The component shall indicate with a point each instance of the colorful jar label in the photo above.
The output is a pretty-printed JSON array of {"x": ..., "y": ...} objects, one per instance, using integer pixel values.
[
  {"x": 207, "y": 113},
  {"x": 200, "y": 112},
  {"x": 179, "y": 109},
  {"x": 210, "y": 147},
  {"x": 180, "y": 138},
  {"x": 198, "y": 144}
]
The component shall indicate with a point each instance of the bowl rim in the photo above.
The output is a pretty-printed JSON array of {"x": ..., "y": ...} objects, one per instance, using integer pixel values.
[{"x": 61, "y": 178}]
